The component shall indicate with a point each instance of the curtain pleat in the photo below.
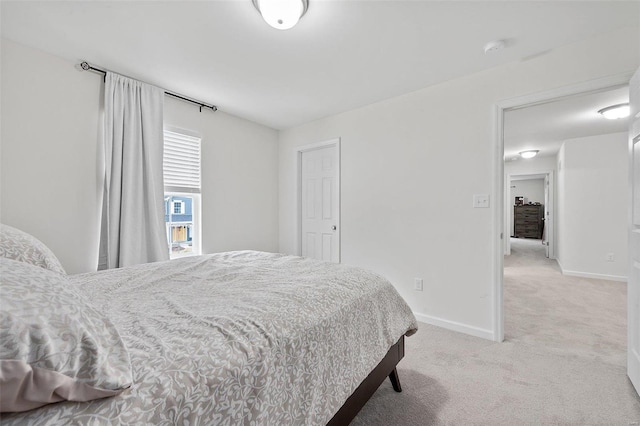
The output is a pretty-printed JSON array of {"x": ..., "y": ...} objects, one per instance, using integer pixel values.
[{"x": 133, "y": 228}]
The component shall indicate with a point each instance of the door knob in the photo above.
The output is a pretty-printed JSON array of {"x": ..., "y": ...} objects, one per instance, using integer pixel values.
[{"x": 334, "y": 227}]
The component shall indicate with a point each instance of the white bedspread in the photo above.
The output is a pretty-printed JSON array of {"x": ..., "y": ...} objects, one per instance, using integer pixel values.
[{"x": 238, "y": 338}]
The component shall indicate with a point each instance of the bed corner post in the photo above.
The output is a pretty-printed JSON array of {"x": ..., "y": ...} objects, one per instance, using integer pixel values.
[{"x": 395, "y": 380}]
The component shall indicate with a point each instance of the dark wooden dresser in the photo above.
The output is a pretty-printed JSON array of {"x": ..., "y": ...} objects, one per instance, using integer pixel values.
[{"x": 528, "y": 221}]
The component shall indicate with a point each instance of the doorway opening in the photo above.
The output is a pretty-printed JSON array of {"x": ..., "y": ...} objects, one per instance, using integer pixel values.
[
  {"x": 529, "y": 209},
  {"x": 506, "y": 153},
  {"x": 547, "y": 302}
]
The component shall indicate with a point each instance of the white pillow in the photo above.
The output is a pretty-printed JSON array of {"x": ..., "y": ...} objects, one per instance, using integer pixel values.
[
  {"x": 54, "y": 345},
  {"x": 18, "y": 245}
]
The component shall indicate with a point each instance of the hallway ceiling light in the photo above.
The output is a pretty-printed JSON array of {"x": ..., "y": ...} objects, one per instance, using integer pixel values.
[
  {"x": 281, "y": 14},
  {"x": 615, "y": 112},
  {"x": 529, "y": 154}
]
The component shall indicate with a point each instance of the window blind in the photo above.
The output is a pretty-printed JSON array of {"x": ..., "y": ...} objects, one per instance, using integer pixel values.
[{"x": 181, "y": 162}]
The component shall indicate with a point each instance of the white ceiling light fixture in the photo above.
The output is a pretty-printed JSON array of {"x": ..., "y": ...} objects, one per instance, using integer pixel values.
[
  {"x": 529, "y": 154},
  {"x": 615, "y": 112},
  {"x": 281, "y": 14}
]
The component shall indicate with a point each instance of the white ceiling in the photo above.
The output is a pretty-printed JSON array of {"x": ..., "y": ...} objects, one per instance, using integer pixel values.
[
  {"x": 544, "y": 127},
  {"x": 341, "y": 55}
]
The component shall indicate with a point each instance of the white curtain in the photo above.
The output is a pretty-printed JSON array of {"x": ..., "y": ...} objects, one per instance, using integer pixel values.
[{"x": 133, "y": 228}]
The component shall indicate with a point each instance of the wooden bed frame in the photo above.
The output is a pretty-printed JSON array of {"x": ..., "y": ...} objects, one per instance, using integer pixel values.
[{"x": 357, "y": 400}]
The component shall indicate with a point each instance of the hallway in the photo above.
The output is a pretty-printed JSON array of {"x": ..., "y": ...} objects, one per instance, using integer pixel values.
[
  {"x": 580, "y": 326},
  {"x": 569, "y": 314}
]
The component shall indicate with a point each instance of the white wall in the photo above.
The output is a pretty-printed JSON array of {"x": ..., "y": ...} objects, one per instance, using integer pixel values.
[
  {"x": 50, "y": 178},
  {"x": 594, "y": 189},
  {"x": 532, "y": 166},
  {"x": 410, "y": 168},
  {"x": 531, "y": 189}
]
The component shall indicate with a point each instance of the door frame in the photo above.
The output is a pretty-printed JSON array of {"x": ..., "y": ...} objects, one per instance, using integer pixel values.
[
  {"x": 633, "y": 286},
  {"x": 498, "y": 226},
  {"x": 298, "y": 216},
  {"x": 549, "y": 224}
]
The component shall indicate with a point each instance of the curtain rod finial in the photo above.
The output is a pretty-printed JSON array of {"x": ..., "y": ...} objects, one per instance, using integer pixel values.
[{"x": 85, "y": 66}]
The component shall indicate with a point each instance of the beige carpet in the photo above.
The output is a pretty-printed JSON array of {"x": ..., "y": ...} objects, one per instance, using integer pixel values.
[{"x": 563, "y": 360}]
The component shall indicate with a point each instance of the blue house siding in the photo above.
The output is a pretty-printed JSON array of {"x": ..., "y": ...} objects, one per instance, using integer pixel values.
[
  {"x": 178, "y": 218},
  {"x": 188, "y": 209}
]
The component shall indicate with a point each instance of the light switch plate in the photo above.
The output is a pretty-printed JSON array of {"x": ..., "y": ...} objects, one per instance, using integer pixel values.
[{"x": 481, "y": 201}]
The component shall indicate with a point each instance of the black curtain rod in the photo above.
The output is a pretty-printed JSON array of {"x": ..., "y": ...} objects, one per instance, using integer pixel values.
[{"x": 85, "y": 66}]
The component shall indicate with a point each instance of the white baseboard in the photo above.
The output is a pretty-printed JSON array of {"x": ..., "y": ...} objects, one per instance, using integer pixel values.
[
  {"x": 619, "y": 278},
  {"x": 455, "y": 326}
]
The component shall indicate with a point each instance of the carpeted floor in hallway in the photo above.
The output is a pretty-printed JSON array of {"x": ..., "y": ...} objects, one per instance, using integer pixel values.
[{"x": 563, "y": 360}]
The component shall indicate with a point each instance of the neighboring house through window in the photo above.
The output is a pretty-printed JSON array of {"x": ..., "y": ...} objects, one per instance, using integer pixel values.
[
  {"x": 178, "y": 207},
  {"x": 182, "y": 192}
]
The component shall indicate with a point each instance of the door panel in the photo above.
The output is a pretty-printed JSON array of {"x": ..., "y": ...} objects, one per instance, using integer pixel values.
[
  {"x": 327, "y": 244},
  {"x": 309, "y": 248},
  {"x": 633, "y": 285},
  {"x": 327, "y": 198},
  {"x": 309, "y": 198},
  {"x": 320, "y": 204},
  {"x": 545, "y": 240}
]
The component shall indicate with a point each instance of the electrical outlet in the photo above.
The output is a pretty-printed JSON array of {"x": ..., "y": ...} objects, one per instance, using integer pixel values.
[
  {"x": 610, "y": 257},
  {"x": 417, "y": 284}
]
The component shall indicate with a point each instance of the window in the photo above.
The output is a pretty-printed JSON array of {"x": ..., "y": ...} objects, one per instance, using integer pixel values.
[
  {"x": 181, "y": 165},
  {"x": 178, "y": 207}
]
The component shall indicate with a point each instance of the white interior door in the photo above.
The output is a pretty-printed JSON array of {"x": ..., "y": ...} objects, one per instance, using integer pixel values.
[
  {"x": 319, "y": 204},
  {"x": 545, "y": 235},
  {"x": 633, "y": 291}
]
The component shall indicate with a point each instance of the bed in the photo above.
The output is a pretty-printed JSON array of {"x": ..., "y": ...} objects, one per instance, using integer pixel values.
[{"x": 239, "y": 338}]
